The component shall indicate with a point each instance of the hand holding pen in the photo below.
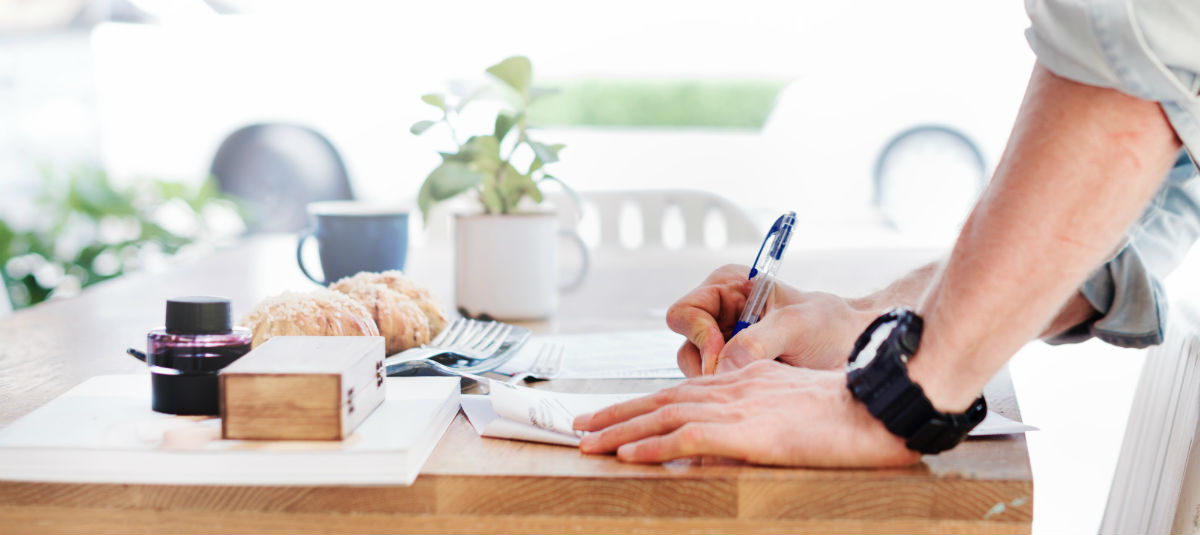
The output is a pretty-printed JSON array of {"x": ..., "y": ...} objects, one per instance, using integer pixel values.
[{"x": 762, "y": 274}]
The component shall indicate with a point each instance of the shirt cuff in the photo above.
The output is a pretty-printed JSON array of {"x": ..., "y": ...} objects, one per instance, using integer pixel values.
[{"x": 1130, "y": 303}]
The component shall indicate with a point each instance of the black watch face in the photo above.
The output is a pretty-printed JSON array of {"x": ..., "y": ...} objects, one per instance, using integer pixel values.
[{"x": 864, "y": 357}]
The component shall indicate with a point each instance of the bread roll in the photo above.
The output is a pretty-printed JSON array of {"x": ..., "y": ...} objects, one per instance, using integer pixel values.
[
  {"x": 317, "y": 313},
  {"x": 401, "y": 322},
  {"x": 397, "y": 282}
]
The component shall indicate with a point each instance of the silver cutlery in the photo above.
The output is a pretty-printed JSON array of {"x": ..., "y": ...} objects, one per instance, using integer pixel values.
[
  {"x": 465, "y": 348},
  {"x": 546, "y": 365}
]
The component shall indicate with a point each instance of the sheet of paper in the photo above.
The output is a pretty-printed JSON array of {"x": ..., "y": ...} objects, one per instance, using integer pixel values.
[
  {"x": 618, "y": 355},
  {"x": 522, "y": 413},
  {"x": 995, "y": 424}
]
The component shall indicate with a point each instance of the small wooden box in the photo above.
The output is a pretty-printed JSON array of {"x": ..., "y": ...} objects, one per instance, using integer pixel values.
[{"x": 302, "y": 388}]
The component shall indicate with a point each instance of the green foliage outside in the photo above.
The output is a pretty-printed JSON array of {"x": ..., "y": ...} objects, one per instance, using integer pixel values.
[
  {"x": 733, "y": 103},
  {"x": 86, "y": 230}
]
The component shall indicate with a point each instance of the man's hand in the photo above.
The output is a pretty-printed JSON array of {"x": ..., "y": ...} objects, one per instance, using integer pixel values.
[
  {"x": 765, "y": 413},
  {"x": 810, "y": 329}
]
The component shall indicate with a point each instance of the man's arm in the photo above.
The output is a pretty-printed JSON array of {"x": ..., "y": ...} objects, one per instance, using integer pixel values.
[
  {"x": 1080, "y": 166},
  {"x": 908, "y": 291}
]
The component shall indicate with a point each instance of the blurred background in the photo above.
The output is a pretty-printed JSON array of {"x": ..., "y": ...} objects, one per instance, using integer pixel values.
[
  {"x": 878, "y": 122},
  {"x": 134, "y": 132}
]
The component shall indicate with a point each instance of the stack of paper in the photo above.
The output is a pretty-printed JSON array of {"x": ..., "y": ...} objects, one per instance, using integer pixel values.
[
  {"x": 103, "y": 431},
  {"x": 1157, "y": 452}
]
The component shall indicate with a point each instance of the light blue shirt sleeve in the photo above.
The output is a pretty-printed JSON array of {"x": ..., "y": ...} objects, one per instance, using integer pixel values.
[{"x": 1149, "y": 49}]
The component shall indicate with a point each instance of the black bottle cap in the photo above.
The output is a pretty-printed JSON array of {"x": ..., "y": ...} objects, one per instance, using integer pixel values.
[{"x": 198, "y": 315}]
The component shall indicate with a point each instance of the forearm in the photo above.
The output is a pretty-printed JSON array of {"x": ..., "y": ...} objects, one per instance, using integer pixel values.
[
  {"x": 1080, "y": 166},
  {"x": 905, "y": 291},
  {"x": 909, "y": 289}
]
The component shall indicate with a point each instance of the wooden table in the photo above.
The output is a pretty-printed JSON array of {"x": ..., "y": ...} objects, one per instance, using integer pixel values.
[{"x": 472, "y": 484}]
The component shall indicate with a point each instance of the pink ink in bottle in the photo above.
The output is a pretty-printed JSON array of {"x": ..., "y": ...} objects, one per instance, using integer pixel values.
[{"x": 198, "y": 340}]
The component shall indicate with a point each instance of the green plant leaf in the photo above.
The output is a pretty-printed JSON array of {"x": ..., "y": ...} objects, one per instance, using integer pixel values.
[
  {"x": 449, "y": 179},
  {"x": 483, "y": 153},
  {"x": 546, "y": 153},
  {"x": 491, "y": 199},
  {"x": 504, "y": 123},
  {"x": 435, "y": 99},
  {"x": 420, "y": 127},
  {"x": 516, "y": 72},
  {"x": 535, "y": 165},
  {"x": 514, "y": 185}
]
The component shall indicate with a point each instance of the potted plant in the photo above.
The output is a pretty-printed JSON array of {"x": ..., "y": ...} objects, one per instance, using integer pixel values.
[{"x": 506, "y": 260}]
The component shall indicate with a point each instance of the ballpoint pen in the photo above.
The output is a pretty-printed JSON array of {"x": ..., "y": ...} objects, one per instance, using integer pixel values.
[{"x": 762, "y": 273}]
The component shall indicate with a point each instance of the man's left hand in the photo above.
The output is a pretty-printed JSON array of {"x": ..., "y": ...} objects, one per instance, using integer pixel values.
[{"x": 765, "y": 413}]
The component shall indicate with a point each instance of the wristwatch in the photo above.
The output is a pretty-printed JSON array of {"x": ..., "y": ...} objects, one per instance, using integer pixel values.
[{"x": 877, "y": 375}]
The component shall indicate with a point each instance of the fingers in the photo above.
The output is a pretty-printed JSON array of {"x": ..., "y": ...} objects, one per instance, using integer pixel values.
[
  {"x": 775, "y": 335},
  {"x": 661, "y": 421},
  {"x": 689, "y": 360},
  {"x": 705, "y": 314},
  {"x": 695, "y": 316},
  {"x": 699, "y": 389},
  {"x": 704, "y": 438}
]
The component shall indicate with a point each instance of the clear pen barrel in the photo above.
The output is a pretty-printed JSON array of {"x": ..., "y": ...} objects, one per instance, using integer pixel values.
[{"x": 757, "y": 302}]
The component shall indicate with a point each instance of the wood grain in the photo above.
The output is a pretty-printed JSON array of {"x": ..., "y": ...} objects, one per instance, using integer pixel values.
[
  {"x": 281, "y": 406},
  {"x": 472, "y": 484},
  {"x": 52, "y": 520}
]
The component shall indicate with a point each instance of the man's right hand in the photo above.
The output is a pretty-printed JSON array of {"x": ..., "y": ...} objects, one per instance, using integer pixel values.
[{"x": 809, "y": 329}]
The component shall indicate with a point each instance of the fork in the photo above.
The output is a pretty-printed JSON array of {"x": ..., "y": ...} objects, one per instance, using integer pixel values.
[
  {"x": 546, "y": 365},
  {"x": 465, "y": 338}
]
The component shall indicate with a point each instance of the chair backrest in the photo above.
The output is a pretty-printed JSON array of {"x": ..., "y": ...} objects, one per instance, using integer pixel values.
[
  {"x": 276, "y": 169},
  {"x": 691, "y": 209}
]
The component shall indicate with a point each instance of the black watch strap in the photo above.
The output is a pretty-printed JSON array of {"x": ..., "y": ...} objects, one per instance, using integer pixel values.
[{"x": 883, "y": 385}]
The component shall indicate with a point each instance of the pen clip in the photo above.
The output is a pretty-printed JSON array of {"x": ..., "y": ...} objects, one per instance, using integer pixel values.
[{"x": 774, "y": 228}]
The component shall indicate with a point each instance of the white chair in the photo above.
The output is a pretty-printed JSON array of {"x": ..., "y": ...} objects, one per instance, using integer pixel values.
[{"x": 610, "y": 213}]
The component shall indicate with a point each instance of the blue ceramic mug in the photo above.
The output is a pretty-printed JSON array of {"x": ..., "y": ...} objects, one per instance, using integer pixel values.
[{"x": 353, "y": 237}]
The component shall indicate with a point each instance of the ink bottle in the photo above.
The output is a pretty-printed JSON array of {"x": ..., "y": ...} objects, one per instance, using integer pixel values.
[{"x": 187, "y": 353}]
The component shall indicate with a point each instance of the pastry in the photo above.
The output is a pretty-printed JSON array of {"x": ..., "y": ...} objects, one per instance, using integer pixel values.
[
  {"x": 397, "y": 282},
  {"x": 400, "y": 321},
  {"x": 317, "y": 313}
]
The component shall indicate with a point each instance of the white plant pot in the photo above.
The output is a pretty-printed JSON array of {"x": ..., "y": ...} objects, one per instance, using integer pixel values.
[{"x": 506, "y": 266}]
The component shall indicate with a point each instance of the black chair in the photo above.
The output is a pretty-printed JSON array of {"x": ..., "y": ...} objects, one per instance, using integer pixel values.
[{"x": 276, "y": 169}]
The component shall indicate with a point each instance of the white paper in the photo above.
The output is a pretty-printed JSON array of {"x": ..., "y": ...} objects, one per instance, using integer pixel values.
[
  {"x": 996, "y": 424},
  {"x": 616, "y": 355},
  {"x": 522, "y": 413},
  {"x": 534, "y": 415}
]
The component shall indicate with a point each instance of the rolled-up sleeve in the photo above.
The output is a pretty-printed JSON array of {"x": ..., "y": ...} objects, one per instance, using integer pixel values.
[
  {"x": 1127, "y": 291},
  {"x": 1146, "y": 48},
  {"x": 1149, "y": 49}
]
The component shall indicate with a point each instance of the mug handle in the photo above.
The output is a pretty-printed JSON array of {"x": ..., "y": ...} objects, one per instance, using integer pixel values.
[
  {"x": 300, "y": 258},
  {"x": 576, "y": 281}
]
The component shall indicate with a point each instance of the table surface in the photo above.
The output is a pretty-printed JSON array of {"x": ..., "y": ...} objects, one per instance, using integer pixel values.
[{"x": 472, "y": 483}]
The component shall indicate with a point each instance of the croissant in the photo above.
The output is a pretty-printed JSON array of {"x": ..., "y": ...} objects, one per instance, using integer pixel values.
[
  {"x": 397, "y": 282},
  {"x": 400, "y": 320},
  {"x": 317, "y": 313}
]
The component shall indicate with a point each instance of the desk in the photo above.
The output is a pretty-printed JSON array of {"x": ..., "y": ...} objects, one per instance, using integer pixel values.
[{"x": 481, "y": 485}]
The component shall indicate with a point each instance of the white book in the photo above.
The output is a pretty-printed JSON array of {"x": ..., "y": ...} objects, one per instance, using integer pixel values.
[
  {"x": 1157, "y": 460},
  {"x": 103, "y": 431}
]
